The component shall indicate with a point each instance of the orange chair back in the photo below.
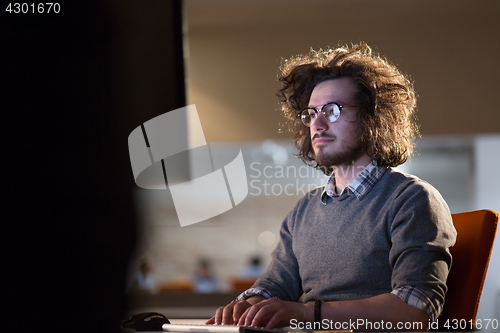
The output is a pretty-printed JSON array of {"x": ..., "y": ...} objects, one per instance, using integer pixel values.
[{"x": 471, "y": 254}]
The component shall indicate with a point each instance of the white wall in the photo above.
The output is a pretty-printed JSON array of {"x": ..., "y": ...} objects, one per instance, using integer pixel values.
[{"x": 487, "y": 162}]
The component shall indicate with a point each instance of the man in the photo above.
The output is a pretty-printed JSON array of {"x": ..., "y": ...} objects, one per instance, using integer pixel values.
[{"x": 373, "y": 243}]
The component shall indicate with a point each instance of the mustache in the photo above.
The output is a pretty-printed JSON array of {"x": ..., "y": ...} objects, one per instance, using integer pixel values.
[{"x": 323, "y": 135}]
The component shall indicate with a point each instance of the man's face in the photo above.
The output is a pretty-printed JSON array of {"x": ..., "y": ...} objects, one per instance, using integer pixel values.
[{"x": 337, "y": 143}]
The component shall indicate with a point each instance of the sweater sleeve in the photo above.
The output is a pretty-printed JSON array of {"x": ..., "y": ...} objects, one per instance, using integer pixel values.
[
  {"x": 281, "y": 278},
  {"x": 421, "y": 234}
]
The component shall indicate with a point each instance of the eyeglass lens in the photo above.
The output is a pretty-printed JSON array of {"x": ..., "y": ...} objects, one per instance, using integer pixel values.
[{"x": 330, "y": 111}]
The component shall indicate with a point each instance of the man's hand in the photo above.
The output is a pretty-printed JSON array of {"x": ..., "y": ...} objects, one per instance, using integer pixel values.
[
  {"x": 231, "y": 313},
  {"x": 272, "y": 313},
  {"x": 258, "y": 311}
]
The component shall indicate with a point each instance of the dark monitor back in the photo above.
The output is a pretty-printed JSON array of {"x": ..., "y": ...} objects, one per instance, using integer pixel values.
[{"x": 73, "y": 85}]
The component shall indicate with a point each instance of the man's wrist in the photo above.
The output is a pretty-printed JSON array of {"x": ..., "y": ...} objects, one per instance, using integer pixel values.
[
  {"x": 255, "y": 299},
  {"x": 308, "y": 312}
]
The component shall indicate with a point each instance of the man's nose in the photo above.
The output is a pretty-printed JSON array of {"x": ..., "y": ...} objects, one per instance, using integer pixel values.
[{"x": 319, "y": 122}]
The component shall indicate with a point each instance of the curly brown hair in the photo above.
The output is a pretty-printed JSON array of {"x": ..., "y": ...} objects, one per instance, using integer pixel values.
[{"x": 386, "y": 100}]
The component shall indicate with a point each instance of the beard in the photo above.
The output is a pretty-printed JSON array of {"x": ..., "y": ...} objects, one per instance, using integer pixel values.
[{"x": 346, "y": 157}]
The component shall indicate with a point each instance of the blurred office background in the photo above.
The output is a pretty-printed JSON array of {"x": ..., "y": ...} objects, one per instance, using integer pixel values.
[{"x": 449, "y": 48}]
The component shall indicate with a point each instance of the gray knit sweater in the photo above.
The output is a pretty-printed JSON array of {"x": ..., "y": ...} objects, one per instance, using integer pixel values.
[{"x": 398, "y": 234}]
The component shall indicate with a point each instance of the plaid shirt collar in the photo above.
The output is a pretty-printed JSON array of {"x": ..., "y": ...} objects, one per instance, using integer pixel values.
[{"x": 360, "y": 186}]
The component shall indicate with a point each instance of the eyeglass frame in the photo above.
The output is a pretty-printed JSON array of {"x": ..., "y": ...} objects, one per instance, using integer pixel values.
[{"x": 340, "y": 106}]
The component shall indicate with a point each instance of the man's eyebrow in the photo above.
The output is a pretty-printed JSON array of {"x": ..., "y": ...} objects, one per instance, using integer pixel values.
[{"x": 336, "y": 102}]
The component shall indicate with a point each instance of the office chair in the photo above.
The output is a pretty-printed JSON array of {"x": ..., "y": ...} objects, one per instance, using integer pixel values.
[{"x": 471, "y": 254}]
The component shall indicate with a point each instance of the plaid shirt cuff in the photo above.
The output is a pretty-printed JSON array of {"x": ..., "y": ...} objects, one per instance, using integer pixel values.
[
  {"x": 421, "y": 299},
  {"x": 254, "y": 292}
]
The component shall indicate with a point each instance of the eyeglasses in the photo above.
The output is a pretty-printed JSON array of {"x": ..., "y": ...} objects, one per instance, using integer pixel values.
[{"x": 331, "y": 112}]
